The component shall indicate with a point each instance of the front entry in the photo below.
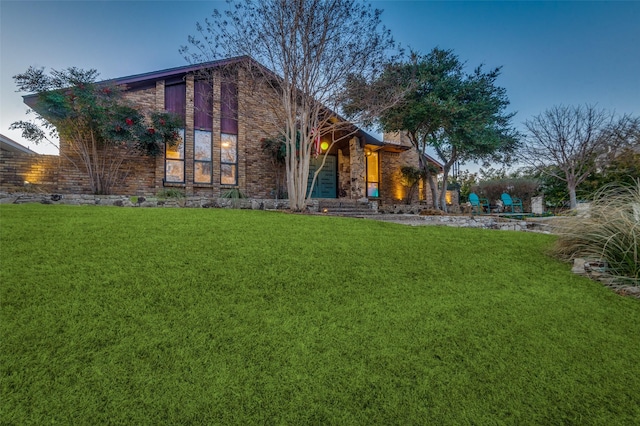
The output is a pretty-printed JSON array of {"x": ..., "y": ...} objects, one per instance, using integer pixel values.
[{"x": 325, "y": 186}]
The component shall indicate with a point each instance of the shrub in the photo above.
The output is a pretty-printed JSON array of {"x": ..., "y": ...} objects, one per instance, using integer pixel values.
[
  {"x": 609, "y": 232},
  {"x": 523, "y": 188},
  {"x": 171, "y": 193},
  {"x": 234, "y": 194}
]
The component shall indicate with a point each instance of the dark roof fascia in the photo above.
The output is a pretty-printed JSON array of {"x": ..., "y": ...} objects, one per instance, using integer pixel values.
[
  {"x": 137, "y": 79},
  {"x": 434, "y": 161},
  {"x": 147, "y": 79},
  {"x": 367, "y": 139},
  {"x": 144, "y": 79}
]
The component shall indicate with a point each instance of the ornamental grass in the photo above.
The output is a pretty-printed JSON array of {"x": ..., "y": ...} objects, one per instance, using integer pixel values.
[{"x": 609, "y": 233}]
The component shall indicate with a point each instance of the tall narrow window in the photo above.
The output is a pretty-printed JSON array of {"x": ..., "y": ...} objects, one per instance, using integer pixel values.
[
  {"x": 373, "y": 175},
  {"x": 203, "y": 124},
  {"x": 229, "y": 130},
  {"x": 174, "y": 161},
  {"x": 229, "y": 160},
  {"x": 202, "y": 165},
  {"x": 175, "y": 102},
  {"x": 229, "y": 107}
]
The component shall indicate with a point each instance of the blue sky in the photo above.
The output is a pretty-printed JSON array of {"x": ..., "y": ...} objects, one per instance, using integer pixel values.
[{"x": 551, "y": 52}]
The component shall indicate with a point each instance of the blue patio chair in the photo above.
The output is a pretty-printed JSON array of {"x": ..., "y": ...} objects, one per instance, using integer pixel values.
[
  {"x": 511, "y": 203},
  {"x": 479, "y": 204}
]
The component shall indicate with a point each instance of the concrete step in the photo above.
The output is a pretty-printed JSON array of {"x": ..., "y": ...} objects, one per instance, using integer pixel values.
[{"x": 346, "y": 208}]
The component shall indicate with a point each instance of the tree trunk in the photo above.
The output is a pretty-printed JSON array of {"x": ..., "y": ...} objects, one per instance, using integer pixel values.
[
  {"x": 443, "y": 190},
  {"x": 573, "y": 201}
]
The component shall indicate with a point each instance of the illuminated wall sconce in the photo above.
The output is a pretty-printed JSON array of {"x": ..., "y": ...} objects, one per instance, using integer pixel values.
[
  {"x": 325, "y": 210},
  {"x": 368, "y": 152},
  {"x": 324, "y": 146}
]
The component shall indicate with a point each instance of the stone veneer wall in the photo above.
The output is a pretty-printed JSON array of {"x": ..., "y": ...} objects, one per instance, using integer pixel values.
[
  {"x": 344, "y": 174},
  {"x": 357, "y": 169}
]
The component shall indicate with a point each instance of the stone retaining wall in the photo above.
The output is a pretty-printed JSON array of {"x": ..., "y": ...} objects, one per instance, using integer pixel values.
[
  {"x": 141, "y": 201},
  {"x": 484, "y": 222}
]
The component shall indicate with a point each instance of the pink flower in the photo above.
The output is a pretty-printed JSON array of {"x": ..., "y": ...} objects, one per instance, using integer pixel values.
[
  {"x": 129, "y": 121},
  {"x": 151, "y": 131},
  {"x": 162, "y": 122}
]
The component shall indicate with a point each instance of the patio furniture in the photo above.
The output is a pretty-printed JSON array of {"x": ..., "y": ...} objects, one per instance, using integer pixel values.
[
  {"x": 511, "y": 203},
  {"x": 480, "y": 205}
]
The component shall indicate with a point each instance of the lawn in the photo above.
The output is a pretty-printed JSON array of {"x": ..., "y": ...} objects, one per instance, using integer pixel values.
[{"x": 202, "y": 316}]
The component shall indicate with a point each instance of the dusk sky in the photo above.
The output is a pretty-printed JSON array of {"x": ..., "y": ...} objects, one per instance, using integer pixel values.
[{"x": 551, "y": 52}]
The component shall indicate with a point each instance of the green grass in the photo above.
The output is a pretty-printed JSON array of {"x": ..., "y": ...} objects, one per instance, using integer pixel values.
[{"x": 199, "y": 316}]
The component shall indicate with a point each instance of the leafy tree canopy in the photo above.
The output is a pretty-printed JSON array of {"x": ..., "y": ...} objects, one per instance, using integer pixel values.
[{"x": 461, "y": 115}]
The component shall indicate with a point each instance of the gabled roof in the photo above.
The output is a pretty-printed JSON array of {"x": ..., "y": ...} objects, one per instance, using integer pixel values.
[
  {"x": 148, "y": 79},
  {"x": 7, "y": 144},
  {"x": 176, "y": 74}
]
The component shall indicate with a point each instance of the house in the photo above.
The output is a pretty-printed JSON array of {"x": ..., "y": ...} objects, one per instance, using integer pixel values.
[
  {"x": 227, "y": 116},
  {"x": 22, "y": 168},
  {"x": 8, "y": 145}
]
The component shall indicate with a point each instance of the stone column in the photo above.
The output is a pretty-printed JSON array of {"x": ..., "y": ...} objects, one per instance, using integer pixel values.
[
  {"x": 358, "y": 170},
  {"x": 344, "y": 175}
]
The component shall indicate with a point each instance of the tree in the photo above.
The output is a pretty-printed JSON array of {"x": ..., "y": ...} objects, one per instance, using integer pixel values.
[
  {"x": 571, "y": 142},
  {"x": 308, "y": 49},
  {"x": 460, "y": 115},
  {"x": 97, "y": 127},
  {"x": 276, "y": 149}
]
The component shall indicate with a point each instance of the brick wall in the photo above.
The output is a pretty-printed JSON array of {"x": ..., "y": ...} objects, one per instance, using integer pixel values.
[
  {"x": 22, "y": 172},
  {"x": 392, "y": 191}
]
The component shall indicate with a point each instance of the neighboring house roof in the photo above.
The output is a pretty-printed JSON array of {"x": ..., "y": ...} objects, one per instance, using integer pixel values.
[{"x": 9, "y": 145}]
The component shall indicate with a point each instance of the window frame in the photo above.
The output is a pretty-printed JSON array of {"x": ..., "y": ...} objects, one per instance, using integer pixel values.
[
  {"x": 377, "y": 182},
  {"x": 175, "y": 160},
  {"x": 224, "y": 163},
  {"x": 208, "y": 161}
]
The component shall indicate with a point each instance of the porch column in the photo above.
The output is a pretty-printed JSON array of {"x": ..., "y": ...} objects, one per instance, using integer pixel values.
[{"x": 358, "y": 170}]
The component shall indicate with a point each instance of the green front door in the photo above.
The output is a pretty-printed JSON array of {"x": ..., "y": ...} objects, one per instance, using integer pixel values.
[{"x": 325, "y": 186}]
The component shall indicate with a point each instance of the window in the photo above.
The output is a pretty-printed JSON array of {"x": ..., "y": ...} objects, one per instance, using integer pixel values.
[
  {"x": 229, "y": 107},
  {"x": 203, "y": 125},
  {"x": 229, "y": 136},
  {"x": 175, "y": 102},
  {"x": 202, "y": 165},
  {"x": 174, "y": 161},
  {"x": 203, "y": 106},
  {"x": 229, "y": 160},
  {"x": 373, "y": 175}
]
